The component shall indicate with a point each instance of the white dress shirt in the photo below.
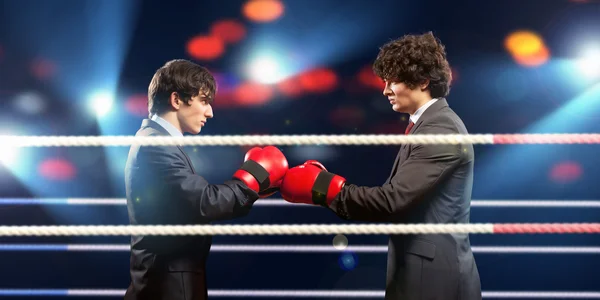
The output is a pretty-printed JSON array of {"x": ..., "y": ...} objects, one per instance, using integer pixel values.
[
  {"x": 415, "y": 117},
  {"x": 167, "y": 126}
]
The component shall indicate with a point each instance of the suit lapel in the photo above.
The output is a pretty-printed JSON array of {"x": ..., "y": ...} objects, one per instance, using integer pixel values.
[
  {"x": 396, "y": 163},
  {"x": 404, "y": 151},
  {"x": 188, "y": 159}
]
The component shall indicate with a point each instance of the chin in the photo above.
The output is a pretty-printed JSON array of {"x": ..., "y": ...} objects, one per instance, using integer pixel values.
[
  {"x": 194, "y": 130},
  {"x": 398, "y": 109}
]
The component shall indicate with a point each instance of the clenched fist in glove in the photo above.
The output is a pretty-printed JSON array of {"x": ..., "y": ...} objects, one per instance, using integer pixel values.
[
  {"x": 263, "y": 170},
  {"x": 311, "y": 183}
]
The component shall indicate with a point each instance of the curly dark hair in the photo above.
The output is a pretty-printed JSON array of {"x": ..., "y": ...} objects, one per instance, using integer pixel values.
[
  {"x": 413, "y": 59},
  {"x": 181, "y": 76}
]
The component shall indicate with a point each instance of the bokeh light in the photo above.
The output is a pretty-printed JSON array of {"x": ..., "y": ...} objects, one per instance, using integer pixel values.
[
  {"x": 340, "y": 242},
  {"x": 30, "y": 103},
  {"x": 229, "y": 31},
  {"x": 251, "y": 93},
  {"x": 348, "y": 261},
  {"x": 589, "y": 63},
  {"x": 263, "y": 10},
  {"x": 101, "y": 103},
  {"x": 203, "y": 47},
  {"x": 137, "y": 105},
  {"x": 318, "y": 80},
  {"x": 290, "y": 87},
  {"x": 57, "y": 169},
  {"x": 8, "y": 155},
  {"x": 566, "y": 172},
  {"x": 527, "y": 48},
  {"x": 367, "y": 78},
  {"x": 43, "y": 68}
]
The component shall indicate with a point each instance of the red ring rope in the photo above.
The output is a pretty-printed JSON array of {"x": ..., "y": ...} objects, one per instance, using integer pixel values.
[
  {"x": 547, "y": 228},
  {"x": 546, "y": 139}
]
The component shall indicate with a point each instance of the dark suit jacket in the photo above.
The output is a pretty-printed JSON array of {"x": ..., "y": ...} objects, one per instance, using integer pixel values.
[
  {"x": 428, "y": 184},
  {"x": 163, "y": 188}
]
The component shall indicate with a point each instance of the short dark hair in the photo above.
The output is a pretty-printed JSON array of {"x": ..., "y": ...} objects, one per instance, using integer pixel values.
[
  {"x": 181, "y": 76},
  {"x": 412, "y": 59}
]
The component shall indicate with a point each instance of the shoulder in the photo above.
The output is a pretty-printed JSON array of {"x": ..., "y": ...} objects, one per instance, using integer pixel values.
[
  {"x": 171, "y": 151},
  {"x": 445, "y": 121}
]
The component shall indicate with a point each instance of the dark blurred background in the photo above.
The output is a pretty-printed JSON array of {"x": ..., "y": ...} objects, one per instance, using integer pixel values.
[{"x": 82, "y": 68}]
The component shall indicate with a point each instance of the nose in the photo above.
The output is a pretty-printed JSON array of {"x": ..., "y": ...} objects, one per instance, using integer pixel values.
[
  {"x": 209, "y": 112},
  {"x": 387, "y": 91}
]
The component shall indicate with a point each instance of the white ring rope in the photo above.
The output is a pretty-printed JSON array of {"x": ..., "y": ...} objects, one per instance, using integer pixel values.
[
  {"x": 281, "y": 202},
  {"x": 300, "y": 293},
  {"x": 312, "y": 249},
  {"x": 300, "y": 229},
  {"x": 248, "y": 140},
  {"x": 241, "y": 140}
]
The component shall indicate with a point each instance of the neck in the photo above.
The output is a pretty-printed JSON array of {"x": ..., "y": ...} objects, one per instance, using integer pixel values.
[
  {"x": 171, "y": 117},
  {"x": 419, "y": 103}
]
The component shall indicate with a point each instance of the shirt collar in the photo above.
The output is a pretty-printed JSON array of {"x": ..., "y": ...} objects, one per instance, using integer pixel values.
[
  {"x": 167, "y": 126},
  {"x": 415, "y": 117}
]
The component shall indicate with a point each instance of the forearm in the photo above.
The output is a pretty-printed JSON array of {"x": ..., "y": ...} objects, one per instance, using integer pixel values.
[
  {"x": 374, "y": 204},
  {"x": 213, "y": 202},
  {"x": 415, "y": 178}
]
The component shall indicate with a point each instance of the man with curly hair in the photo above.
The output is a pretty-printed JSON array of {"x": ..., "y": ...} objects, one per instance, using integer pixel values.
[{"x": 427, "y": 184}]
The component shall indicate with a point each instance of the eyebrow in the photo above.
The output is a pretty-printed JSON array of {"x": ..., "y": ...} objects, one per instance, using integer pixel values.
[{"x": 210, "y": 99}]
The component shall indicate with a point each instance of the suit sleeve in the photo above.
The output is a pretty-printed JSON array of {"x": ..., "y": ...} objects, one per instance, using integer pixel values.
[
  {"x": 210, "y": 201},
  {"x": 418, "y": 175}
]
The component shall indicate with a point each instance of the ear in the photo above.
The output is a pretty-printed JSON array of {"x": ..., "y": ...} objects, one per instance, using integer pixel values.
[
  {"x": 424, "y": 85},
  {"x": 175, "y": 101}
]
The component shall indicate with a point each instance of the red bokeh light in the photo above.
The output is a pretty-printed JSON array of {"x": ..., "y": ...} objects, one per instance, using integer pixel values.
[
  {"x": 42, "y": 68},
  {"x": 204, "y": 47},
  {"x": 565, "y": 172},
  {"x": 57, "y": 169},
  {"x": 250, "y": 94},
  {"x": 229, "y": 31},
  {"x": 367, "y": 78},
  {"x": 319, "y": 80},
  {"x": 137, "y": 105},
  {"x": 290, "y": 87},
  {"x": 455, "y": 76}
]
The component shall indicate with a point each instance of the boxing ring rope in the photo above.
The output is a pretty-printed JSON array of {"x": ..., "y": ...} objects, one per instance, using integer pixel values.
[
  {"x": 300, "y": 229},
  {"x": 294, "y": 140},
  {"x": 296, "y": 293},
  {"x": 281, "y": 202},
  {"x": 248, "y": 140},
  {"x": 311, "y": 249}
]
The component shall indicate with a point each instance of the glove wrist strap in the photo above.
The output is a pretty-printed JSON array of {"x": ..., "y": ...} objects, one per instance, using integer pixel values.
[
  {"x": 258, "y": 172},
  {"x": 321, "y": 188}
]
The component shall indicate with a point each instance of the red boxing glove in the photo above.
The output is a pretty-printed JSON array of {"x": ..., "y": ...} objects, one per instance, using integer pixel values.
[
  {"x": 311, "y": 183},
  {"x": 263, "y": 170}
]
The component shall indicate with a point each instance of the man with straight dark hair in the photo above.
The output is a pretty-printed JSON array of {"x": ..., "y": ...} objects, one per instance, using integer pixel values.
[{"x": 163, "y": 187}]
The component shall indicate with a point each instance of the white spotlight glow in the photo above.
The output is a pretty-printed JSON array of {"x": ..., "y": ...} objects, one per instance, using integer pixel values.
[
  {"x": 101, "y": 103},
  {"x": 265, "y": 70},
  {"x": 8, "y": 154},
  {"x": 589, "y": 64}
]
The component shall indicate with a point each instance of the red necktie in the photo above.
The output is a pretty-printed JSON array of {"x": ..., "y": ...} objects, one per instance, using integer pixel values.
[{"x": 409, "y": 127}]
